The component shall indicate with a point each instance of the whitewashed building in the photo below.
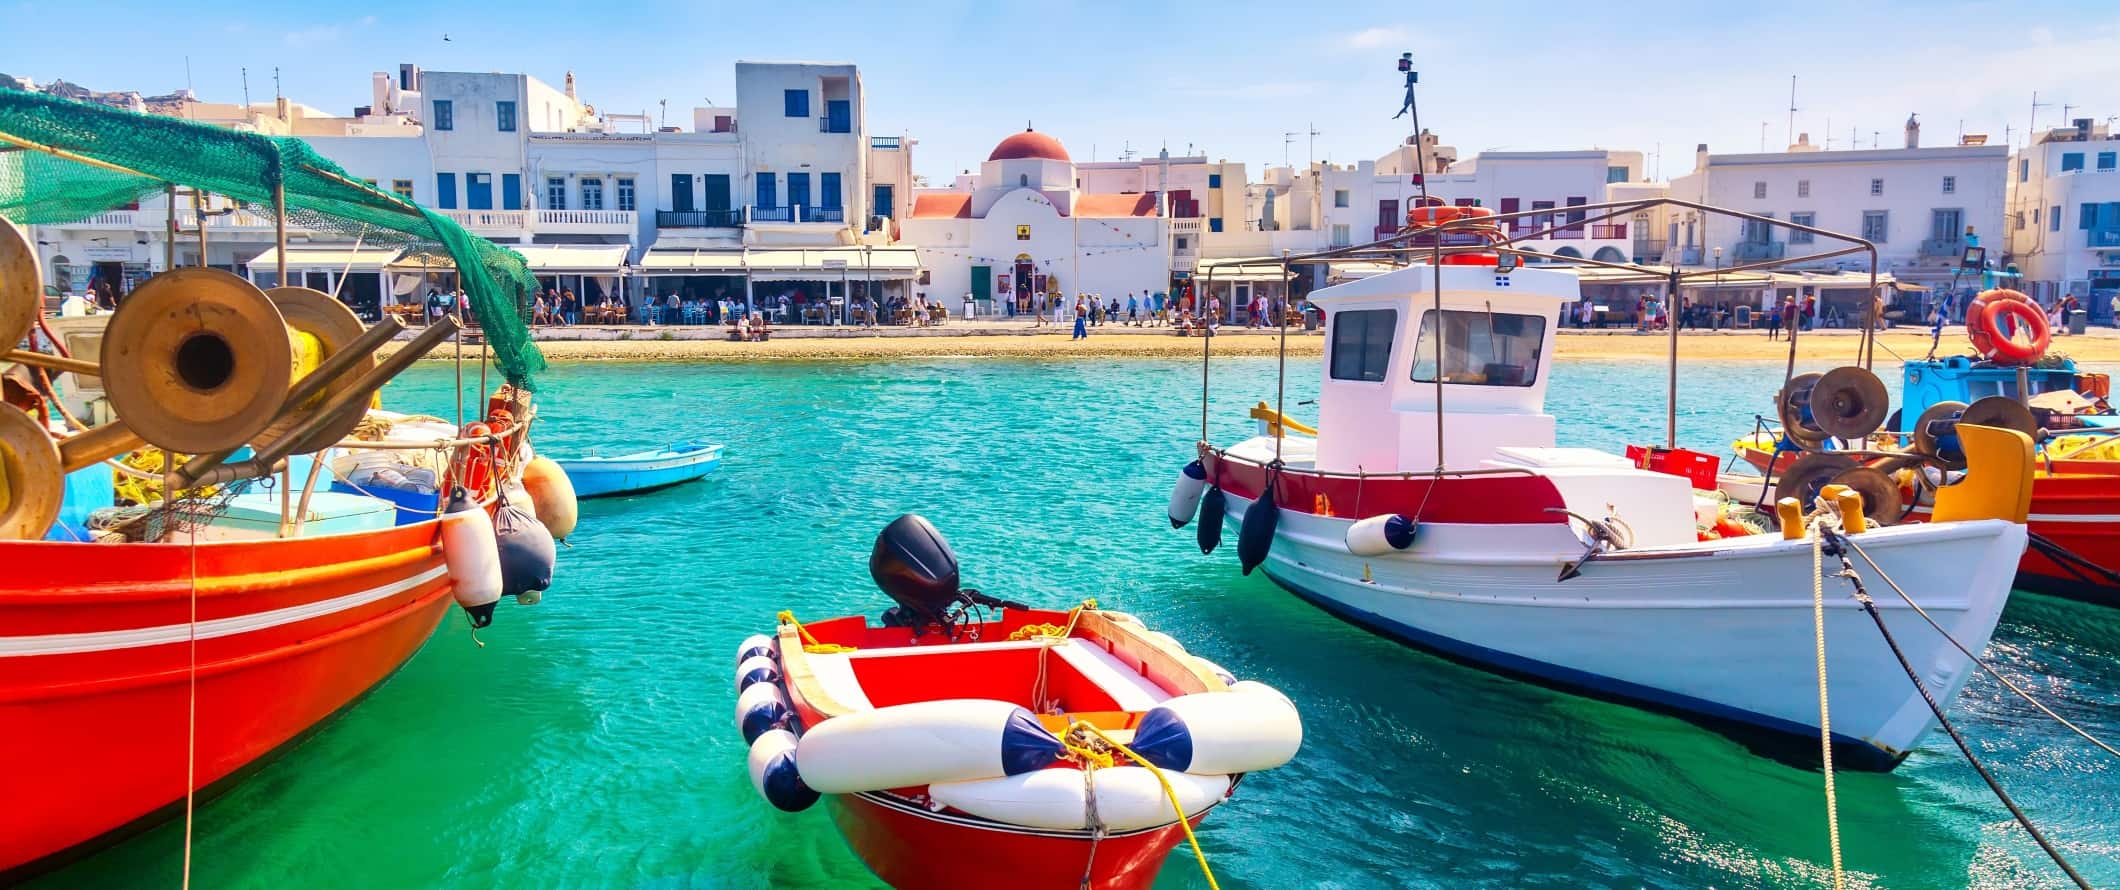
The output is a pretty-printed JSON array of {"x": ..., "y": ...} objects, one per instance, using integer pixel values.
[
  {"x": 1023, "y": 228},
  {"x": 2064, "y": 216}
]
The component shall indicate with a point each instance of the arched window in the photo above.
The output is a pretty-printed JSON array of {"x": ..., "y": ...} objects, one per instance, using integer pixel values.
[
  {"x": 1023, "y": 179},
  {"x": 1609, "y": 254},
  {"x": 1569, "y": 252}
]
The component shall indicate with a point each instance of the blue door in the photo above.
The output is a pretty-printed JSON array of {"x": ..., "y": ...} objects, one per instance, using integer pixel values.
[
  {"x": 828, "y": 196},
  {"x": 799, "y": 190},
  {"x": 478, "y": 191},
  {"x": 445, "y": 191},
  {"x": 766, "y": 199},
  {"x": 883, "y": 201},
  {"x": 511, "y": 190},
  {"x": 681, "y": 192}
]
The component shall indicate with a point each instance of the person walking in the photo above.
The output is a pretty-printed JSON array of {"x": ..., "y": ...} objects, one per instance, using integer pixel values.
[
  {"x": 1774, "y": 320},
  {"x": 1081, "y": 320}
]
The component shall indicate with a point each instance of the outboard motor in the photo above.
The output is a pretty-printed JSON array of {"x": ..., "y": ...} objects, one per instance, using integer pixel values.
[{"x": 913, "y": 564}]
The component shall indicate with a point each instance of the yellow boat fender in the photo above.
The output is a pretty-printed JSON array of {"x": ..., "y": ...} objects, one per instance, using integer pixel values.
[{"x": 551, "y": 496}]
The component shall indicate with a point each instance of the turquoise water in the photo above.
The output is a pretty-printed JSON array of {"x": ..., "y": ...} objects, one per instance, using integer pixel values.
[{"x": 589, "y": 742}]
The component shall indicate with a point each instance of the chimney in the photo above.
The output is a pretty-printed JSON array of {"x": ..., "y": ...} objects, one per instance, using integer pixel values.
[
  {"x": 1913, "y": 132},
  {"x": 1700, "y": 156},
  {"x": 2083, "y": 129},
  {"x": 570, "y": 87}
]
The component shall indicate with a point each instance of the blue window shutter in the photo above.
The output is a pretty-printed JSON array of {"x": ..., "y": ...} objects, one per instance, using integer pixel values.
[
  {"x": 766, "y": 197},
  {"x": 798, "y": 103},
  {"x": 445, "y": 191},
  {"x": 511, "y": 191},
  {"x": 828, "y": 196}
]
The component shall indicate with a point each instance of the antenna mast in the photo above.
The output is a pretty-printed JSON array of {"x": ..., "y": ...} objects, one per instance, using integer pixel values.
[{"x": 1792, "y": 109}]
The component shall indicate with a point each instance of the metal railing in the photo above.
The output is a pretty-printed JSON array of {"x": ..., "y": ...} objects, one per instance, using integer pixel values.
[
  {"x": 698, "y": 219},
  {"x": 1943, "y": 247},
  {"x": 1760, "y": 250},
  {"x": 772, "y": 214},
  {"x": 824, "y": 214},
  {"x": 1609, "y": 231}
]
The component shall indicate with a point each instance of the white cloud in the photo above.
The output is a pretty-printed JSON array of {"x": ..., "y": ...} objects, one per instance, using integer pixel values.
[
  {"x": 318, "y": 35},
  {"x": 1378, "y": 37}
]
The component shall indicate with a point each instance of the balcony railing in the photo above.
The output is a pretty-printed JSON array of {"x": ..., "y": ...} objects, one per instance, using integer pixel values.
[
  {"x": 1648, "y": 251},
  {"x": 1760, "y": 250},
  {"x": 698, "y": 219},
  {"x": 490, "y": 220},
  {"x": 828, "y": 125},
  {"x": 1690, "y": 256},
  {"x": 115, "y": 219},
  {"x": 772, "y": 214},
  {"x": 1572, "y": 233},
  {"x": 1383, "y": 232},
  {"x": 2103, "y": 237},
  {"x": 1943, "y": 247},
  {"x": 824, "y": 214},
  {"x": 1612, "y": 231}
]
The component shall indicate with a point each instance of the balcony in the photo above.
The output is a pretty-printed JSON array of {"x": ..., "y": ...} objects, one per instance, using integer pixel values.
[
  {"x": 796, "y": 214},
  {"x": 1943, "y": 247},
  {"x": 1748, "y": 251},
  {"x": 1609, "y": 231},
  {"x": 2106, "y": 237},
  {"x": 759, "y": 214},
  {"x": 1573, "y": 233},
  {"x": 1690, "y": 256},
  {"x": 115, "y": 219},
  {"x": 1648, "y": 251},
  {"x": 586, "y": 222},
  {"x": 1383, "y": 232},
  {"x": 823, "y": 214},
  {"x": 491, "y": 222},
  {"x": 698, "y": 219}
]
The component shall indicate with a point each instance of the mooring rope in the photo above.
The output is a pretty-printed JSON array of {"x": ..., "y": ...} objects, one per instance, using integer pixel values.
[
  {"x": 1825, "y": 714},
  {"x": 1862, "y": 596}
]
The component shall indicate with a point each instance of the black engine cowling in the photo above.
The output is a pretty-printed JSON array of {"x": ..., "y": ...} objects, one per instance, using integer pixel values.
[{"x": 913, "y": 564}]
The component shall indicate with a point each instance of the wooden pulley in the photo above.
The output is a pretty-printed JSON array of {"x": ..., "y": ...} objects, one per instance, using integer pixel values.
[
  {"x": 2004, "y": 412},
  {"x": 1939, "y": 444},
  {"x": 197, "y": 360},
  {"x": 21, "y": 285},
  {"x": 1849, "y": 403},
  {"x": 332, "y": 325},
  {"x": 1809, "y": 473},
  {"x": 1792, "y": 406},
  {"x": 31, "y": 484},
  {"x": 1881, "y": 501}
]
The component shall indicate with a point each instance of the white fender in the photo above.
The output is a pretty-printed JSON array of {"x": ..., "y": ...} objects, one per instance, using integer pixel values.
[
  {"x": 1220, "y": 672},
  {"x": 1122, "y": 617},
  {"x": 774, "y": 772},
  {"x": 473, "y": 557},
  {"x": 1185, "y": 496},
  {"x": 755, "y": 644},
  {"x": 756, "y": 669},
  {"x": 924, "y": 742},
  {"x": 759, "y": 707},
  {"x": 1380, "y": 535},
  {"x": 1165, "y": 639},
  {"x": 1251, "y": 727},
  {"x": 1128, "y": 798}
]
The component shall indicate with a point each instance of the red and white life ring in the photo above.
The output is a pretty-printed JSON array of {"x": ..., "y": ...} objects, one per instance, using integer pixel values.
[{"x": 1984, "y": 327}]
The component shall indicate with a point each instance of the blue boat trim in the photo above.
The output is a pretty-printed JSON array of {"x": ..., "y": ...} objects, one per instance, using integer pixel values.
[{"x": 1848, "y": 751}]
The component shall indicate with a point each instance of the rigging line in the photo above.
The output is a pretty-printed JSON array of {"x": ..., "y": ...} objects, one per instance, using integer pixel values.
[
  {"x": 2005, "y": 681},
  {"x": 191, "y": 706},
  {"x": 1863, "y": 597},
  {"x": 1280, "y": 391},
  {"x": 1420, "y": 158}
]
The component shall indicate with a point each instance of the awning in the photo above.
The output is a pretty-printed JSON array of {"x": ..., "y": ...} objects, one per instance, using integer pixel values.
[
  {"x": 1242, "y": 269},
  {"x": 1358, "y": 271},
  {"x": 573, "y": 259},
  {"x": 347, "y": 258},
  {"x": 788, "y": 264}
]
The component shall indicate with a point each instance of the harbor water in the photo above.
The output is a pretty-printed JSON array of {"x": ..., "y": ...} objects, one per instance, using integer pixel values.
[{"x": 589, "y": 741}]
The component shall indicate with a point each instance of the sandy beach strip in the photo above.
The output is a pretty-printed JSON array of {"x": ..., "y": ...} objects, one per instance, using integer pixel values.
[{"x": 1016, "y": 340}]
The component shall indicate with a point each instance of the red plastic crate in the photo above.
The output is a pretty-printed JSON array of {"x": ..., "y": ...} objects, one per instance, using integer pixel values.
[{"x": 1694, "y": 466}]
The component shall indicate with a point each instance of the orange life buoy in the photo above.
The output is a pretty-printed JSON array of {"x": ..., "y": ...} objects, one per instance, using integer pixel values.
[
  {"x": 1996, "y": 345},
  {"x": 1976, "y": 322},
  {"x": 1440, "y": 215}
]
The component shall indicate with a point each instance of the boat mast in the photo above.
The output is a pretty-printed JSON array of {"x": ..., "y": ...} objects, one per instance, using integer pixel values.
[{"x": 1420, "y": 179}]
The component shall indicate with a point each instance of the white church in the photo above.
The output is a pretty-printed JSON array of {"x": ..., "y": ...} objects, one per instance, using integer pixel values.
[{"x": 1023, "y": 226}]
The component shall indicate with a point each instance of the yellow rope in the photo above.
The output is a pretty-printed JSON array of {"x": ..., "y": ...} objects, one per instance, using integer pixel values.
[
  {"x": 810, "y": 643},
  {"x": 1092, "y": 758},
  {"x": 1825, "y": 718}
]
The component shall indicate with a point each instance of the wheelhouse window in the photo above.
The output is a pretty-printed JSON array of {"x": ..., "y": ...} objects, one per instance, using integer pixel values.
[
  {"x": 1361, "y": 343},
  {"x": 1480, "y": 348}
]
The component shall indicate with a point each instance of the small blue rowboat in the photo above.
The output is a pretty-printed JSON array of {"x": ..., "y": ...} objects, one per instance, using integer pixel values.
[{"x": 641, "y": 471}]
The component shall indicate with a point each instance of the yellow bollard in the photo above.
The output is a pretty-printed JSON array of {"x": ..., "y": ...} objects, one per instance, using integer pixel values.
[
  {"x": 1852, "y": 519},
  {"x": 1790, "y": 510}
]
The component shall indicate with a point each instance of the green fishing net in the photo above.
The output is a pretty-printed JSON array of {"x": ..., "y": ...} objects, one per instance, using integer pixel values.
[{"x": 40, "y": 187}]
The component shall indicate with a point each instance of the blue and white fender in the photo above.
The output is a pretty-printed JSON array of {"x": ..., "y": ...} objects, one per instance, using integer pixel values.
[
  {"x": 774, "y": 773},
  {"x": 1251, "y": 727},
  {"x": 922, "y": 743},
  {"x": 1380, "y": 535},
  {"x": 1185, "y": 496},
  {"x": 473, "y": 557},
  {"x": 1128, "y": 798},
  {"x": 756, "y": 644},
  {"x": 756, "y": 669},
  {"x": 761, "y": 707}
]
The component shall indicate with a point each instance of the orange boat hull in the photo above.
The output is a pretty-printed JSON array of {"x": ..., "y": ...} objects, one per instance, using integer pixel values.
[{"x": 106, "y": 679}]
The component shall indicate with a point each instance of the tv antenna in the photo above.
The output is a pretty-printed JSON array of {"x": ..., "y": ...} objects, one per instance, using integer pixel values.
[{"x": 1792, "y": 109}]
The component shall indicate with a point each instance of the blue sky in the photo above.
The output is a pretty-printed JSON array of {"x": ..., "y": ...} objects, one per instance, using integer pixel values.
[{"x": 1225, "y": 79}]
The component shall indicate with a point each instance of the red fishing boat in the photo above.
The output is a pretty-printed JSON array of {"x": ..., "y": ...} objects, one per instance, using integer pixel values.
[
  {"x": 1027, "y": 748},
  {"x": 118, "y": 661}
]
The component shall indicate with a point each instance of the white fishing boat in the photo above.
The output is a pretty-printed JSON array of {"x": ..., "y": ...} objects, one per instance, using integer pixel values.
[{"x": 1437, "y": 510}]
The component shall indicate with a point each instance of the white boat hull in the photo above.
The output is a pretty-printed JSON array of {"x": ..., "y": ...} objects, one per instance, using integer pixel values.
[{"x": 1721, "y": 630}]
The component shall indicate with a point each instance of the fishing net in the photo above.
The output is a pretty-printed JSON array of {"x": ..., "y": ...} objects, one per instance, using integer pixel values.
[{"x": 62, "y": 161}]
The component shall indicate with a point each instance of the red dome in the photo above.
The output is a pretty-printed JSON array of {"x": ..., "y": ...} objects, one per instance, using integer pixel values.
[{"x": 1029, "y": 144}]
